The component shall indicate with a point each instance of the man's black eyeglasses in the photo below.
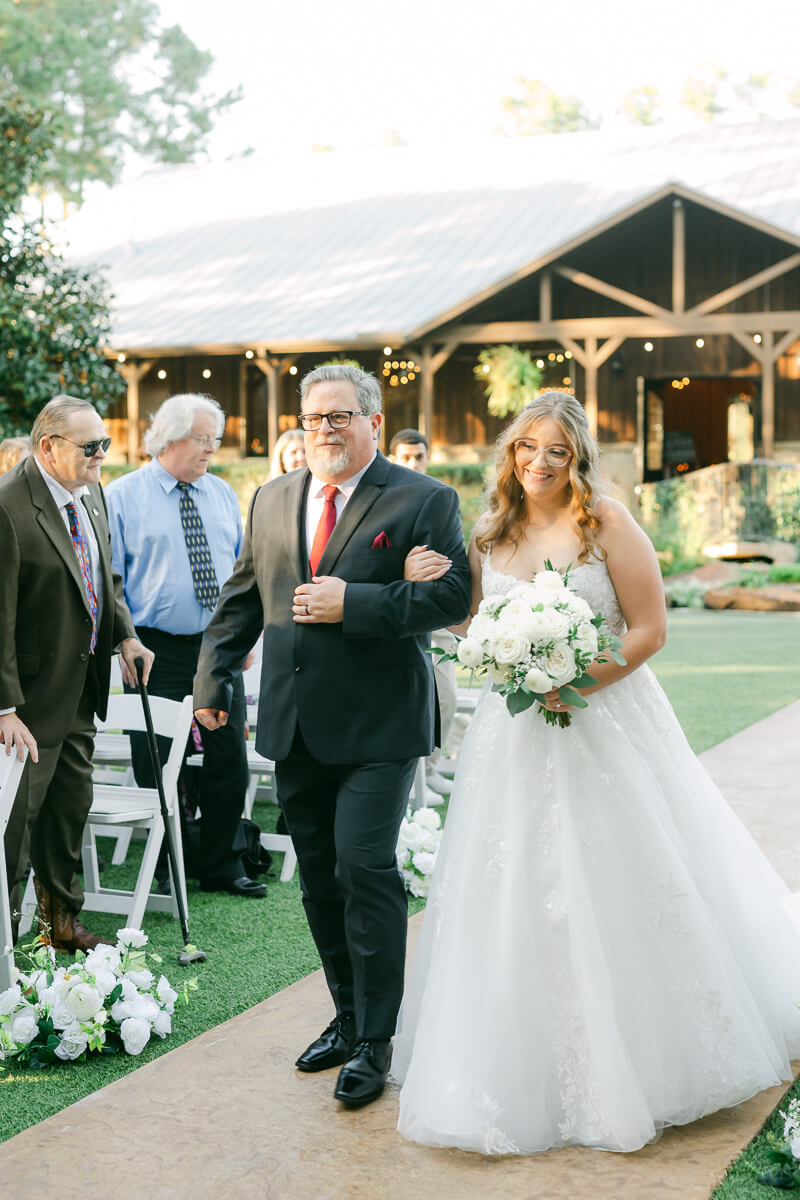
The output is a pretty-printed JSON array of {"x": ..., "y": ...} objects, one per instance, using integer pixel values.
[
  {"x": 336, "y": 420},
  {"x": 88, "y": 448}
]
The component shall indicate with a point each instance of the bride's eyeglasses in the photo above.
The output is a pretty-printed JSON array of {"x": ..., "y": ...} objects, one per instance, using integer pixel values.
[{"x": 554, "y": 456}]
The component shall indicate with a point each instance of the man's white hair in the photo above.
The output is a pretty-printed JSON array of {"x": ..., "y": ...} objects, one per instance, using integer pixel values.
[{"x": 174, "y": 420}]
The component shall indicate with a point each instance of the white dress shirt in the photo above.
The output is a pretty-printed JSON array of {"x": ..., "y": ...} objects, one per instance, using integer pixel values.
[{"x": 315, "y": 501}]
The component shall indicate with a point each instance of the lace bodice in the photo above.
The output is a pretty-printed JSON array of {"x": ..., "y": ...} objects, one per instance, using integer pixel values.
[{"x": 591, "y": 581}]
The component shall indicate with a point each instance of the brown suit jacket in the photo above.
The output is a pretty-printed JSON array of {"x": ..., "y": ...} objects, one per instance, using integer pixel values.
[{"x": 45, "y": 627}]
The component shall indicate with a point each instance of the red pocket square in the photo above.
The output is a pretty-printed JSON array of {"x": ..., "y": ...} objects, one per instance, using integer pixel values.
[{"x": 381, "y": 541}]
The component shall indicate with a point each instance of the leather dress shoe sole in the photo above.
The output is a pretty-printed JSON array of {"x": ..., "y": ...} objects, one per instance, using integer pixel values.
[
  {"x": 243, "y": 886},
  {"x": 363, "y": 1077},
  {"x": 332, "y": 1048}
]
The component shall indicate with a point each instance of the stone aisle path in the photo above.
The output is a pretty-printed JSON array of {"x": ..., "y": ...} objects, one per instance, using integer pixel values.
[{"x": 227, "y": 1117}]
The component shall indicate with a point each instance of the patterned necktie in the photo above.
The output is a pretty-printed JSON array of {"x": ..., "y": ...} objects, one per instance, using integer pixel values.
[
  {"x": 82, "y": 551},
  {"x": 326, "y": 526},
  {"x": 204, "y": 577}
]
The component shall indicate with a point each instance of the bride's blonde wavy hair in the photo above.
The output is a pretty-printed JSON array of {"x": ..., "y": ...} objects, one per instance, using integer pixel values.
[{"x": 507, "y": 513}]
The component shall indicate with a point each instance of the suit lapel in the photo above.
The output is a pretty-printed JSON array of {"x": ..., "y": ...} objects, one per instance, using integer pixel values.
[
  {"x": 355, "y": 510},
  {"x": 52, "y": 524},
  {"x": 293, "y": 522}
]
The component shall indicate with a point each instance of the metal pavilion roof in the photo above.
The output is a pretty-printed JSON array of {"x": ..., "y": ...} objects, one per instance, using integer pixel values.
[{"x": 348, "y": 248}]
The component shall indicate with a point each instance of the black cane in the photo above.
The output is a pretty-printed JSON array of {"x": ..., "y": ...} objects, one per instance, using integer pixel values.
[{"x": 190, "y": 953}]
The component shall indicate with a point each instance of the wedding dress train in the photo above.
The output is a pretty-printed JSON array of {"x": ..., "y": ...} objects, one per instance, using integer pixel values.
[{"x": 605, "y": 950}]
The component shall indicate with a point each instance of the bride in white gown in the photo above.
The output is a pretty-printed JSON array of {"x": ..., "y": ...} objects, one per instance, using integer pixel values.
[{"x": 605, "y": 950}]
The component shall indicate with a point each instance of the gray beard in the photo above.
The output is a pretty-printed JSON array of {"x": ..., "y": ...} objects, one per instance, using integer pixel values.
[{"x": 323, "y": 460}]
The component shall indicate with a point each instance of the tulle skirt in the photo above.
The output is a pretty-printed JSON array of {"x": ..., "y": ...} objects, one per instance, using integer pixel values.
[{"x": 605, "y": 950}]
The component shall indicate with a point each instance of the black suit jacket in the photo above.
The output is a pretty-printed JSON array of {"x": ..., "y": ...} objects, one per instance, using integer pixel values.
[
  {"x": 45, "y": 626},
  {"x": 361, "y": 690}
]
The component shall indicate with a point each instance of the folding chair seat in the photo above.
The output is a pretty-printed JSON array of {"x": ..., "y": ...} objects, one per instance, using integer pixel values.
[
  {"x": 10, "y": 775},
  {"x": 115, "y": 805}
]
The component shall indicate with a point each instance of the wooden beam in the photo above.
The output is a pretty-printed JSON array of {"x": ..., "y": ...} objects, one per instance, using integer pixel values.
[
  {"x": 746, "y": 285},
  {"x": 612, "y": 293},
  {"x": 440, "y": 358},
  {"x": 678, "y": 256},
  {"x": 745, "y": 340},
  {"x": 785, "y": 342},
  {"x": 671, "y": 325},
  {"x": 578, "y": 352},
  {"x": 607, "y": 349}
]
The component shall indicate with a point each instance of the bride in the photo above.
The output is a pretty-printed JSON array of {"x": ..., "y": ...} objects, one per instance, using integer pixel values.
[{"x": 605, "y": 950}]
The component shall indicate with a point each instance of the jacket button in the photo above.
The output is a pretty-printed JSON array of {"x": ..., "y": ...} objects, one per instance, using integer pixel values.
[
  {"x": 84, "y": 656},
  {"x": 296, "y": 669}
]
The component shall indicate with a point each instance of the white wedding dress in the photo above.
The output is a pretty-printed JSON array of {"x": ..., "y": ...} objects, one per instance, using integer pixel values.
[{"x": 605, "y": 950}]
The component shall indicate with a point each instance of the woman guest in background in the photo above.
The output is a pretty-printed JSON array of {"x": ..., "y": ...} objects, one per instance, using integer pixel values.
[
  {"x": 289, "y": 453},
  {"x": 12, "y": 451},
  {"x": 605, "y": 950}
]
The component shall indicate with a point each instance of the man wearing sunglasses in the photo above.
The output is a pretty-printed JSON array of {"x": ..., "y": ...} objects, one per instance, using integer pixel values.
[
  {"x": 63, "y": 615},
  {"x": 347, "y": 702}
]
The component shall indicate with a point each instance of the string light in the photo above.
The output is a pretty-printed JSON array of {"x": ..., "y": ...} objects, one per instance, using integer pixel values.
[
  {"x": 206, "y": 373},
  {"x": 757, "y": 338},
  {"x": 162, "y": 374},
  {"x": 387, "y": 349},
  {"x": 249, "y": 354},
  {"x": 700, "y": 343},
  {"x": 121, "y": 358},
  {"x": 292, "y": 370},
  {"x": 540, "y": 363},
  {"x": 648, "y": 347},
  {"x": 567, "y": 354}
]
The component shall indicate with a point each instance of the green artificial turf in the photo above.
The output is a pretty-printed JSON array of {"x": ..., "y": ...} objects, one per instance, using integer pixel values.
[{"x": 721, "y": 670}]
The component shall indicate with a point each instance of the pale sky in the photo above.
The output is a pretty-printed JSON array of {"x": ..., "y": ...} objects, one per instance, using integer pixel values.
[{"x": 348, "y": 73}]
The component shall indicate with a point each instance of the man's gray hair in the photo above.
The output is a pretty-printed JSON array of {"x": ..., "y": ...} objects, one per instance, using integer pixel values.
[
  {"x": 54, "y": 417},
  {"x": 366, "y": 385},
  {"x": 174, "y": 420}
]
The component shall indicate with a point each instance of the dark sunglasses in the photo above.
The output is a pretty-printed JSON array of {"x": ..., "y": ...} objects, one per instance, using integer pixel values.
[{"x": 88, "y": 448}]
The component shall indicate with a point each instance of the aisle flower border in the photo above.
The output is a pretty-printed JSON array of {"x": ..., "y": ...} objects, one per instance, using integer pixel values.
[{"x": 104, "y": 1002}]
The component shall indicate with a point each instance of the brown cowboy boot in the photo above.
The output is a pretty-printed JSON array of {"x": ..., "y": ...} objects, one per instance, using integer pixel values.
[
  {"x": 68, "y": 933},
  {"x": 44, "y": 902}
]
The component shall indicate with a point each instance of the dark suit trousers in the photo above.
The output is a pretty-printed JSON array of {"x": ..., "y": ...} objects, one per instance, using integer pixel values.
[
  {"x": 344, "y": 822},
  {"x": 224, "y": 776},
  {"x": 50, "y": 809}
]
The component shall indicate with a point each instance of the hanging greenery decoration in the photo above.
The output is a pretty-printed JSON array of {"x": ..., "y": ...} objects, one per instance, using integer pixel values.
[{"x": 512, "y": 378}]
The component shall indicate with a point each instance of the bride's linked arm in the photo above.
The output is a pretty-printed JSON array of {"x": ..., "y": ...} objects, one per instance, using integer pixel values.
[{"x": 635, "y": 573}]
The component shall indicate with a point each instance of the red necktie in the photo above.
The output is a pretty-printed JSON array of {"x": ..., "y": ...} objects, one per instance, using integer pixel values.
[{"x": 326, "y": 526}]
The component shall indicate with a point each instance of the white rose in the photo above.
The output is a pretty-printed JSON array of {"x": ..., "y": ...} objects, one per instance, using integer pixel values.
[
  {"x": 560, "y": 666},
  {"x": 558, "y": 623},
  {"x": 105, "y": 980},
  {"x": 145, "y": 1008},
  {"x": 419, "y": 887},
  {"x": 535, "y": 628},
  {"x": 73, "y": 1043},
  {"x": 586, "y": 641},
  {"x": 121, "y": 1010},
  {"x": 143, "y": 980},
  {"x": 415, "y": 836},
  {"x": 510, "y": 648},
  {"x": 105, "y": 958},
  {"x": 133, "y": 938},
  {"x": 538, "y": 681},
  {"x": 491, "y": 604},
  {"x": 135, "y": 1034},
  {"x": 61, "y": 1014},
  {"x": 24, "y": 1025},
  {"x": 10, "y": 999},
  {"x": 520, "y": 591},
  {"x": 162, "y": 1025},
  {"x": 470, "y": 652},
  {"x": 552, "y": 580},
  {"x": 578, "y": 607},
  {"x": 500, "y": 674},
  {"x": 166, "y": 993},
  {"x": 84, "y": 1001},
  {"x": 403, "y": 857},
  {"x": 481, "y": 628},
  {"x": 428, "y": 818},
  {"x": 129, "y": 991},
  {"x": 424, "y": 861}
]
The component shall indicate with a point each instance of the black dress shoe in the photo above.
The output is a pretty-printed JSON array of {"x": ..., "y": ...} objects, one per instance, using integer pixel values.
[
  {"x": 243, "y": 886},
  {"x": 363, "y": 1076},
  {"x": 333, "y": 1046}
]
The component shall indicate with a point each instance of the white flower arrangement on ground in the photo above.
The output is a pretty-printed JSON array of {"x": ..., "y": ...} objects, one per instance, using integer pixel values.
[
  {"x": 417, "y": 845},
  {"x": 105, "y": 1001},
  {"x": 536, "y": 637},
  {"x": 785, "y": 1152}
]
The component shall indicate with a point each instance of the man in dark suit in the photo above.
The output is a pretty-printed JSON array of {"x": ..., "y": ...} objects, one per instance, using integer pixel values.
[
  {"x": 62, "y": 615},
  {"x": 347, "y": 702}
]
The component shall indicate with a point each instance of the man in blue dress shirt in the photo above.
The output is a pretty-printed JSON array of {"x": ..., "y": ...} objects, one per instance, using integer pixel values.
[{"x": 175, "y": 533}]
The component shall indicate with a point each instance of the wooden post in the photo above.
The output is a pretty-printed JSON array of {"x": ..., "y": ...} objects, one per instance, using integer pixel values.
[
  {"x": 678, "y": 256},
  {"x": 545, "y": 297},
  {"x": 132, "y": 372},
  {"x": 590, "y": 397},
  {"x": 426, "y": 393},
  {"x": 243, "y": 432},
  {"x": 273, "y": 385}
]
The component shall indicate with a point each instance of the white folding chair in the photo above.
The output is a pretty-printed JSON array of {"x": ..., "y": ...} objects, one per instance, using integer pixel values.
[
  {"x": 10, "y": 774},
  {"x": 115, "y": 805}
]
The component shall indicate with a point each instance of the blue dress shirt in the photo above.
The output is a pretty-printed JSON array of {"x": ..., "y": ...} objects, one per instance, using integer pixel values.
[{"x": 148, "y": 547}]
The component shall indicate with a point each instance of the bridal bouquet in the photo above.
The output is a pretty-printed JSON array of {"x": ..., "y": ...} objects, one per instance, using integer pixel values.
[
  {"x": 105, "y": 1001},
  {"x": 536, "y": 637},
  {"x": 417, "y": 844}
]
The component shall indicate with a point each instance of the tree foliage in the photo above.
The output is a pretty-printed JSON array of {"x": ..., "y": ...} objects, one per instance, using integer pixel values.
[
  {"x": 111, "y": 81},
  {"x": 536, "y": 108},
  {"x": 512, "y": 379},
  {"x": 643, "y": 105},
  {"x": 53, "y": 316}
]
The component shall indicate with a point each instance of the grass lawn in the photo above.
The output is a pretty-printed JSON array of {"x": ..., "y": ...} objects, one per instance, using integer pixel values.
[{"x": 721, "y": 670}]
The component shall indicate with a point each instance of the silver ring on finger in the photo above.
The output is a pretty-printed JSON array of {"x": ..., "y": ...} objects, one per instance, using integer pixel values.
[{"x": 308, "y": 614}]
